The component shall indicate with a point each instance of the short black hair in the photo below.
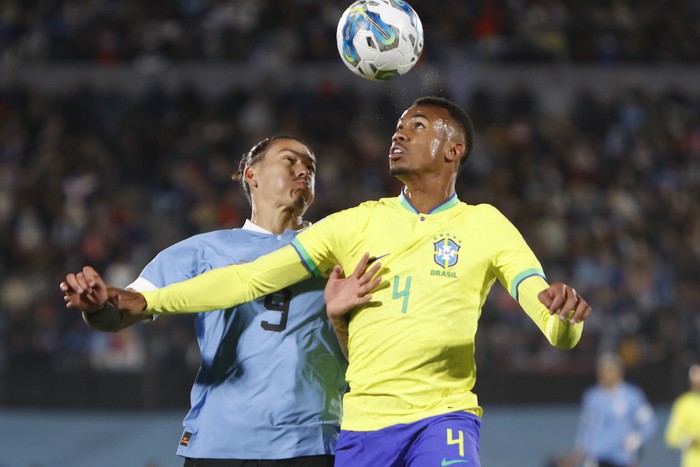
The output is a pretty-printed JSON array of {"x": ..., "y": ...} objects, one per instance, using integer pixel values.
[
  {"x": 458, "y": 114},
  {"x": 255, "y": 155}
]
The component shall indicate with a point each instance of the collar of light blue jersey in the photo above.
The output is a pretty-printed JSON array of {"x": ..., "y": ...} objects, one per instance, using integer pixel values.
[{"x": 444, "y": 206}]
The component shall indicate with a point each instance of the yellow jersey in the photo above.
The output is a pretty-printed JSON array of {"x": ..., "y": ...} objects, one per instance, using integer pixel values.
[
  {"x": 411, "y": 350},
  {"x": 683, "y": 429}
]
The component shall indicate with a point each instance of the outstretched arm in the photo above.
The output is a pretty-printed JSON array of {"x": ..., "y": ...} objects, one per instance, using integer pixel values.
[
  {"x": 218, "y": 288},
  {"x": 86, "y": 291},
  {"x": 557, "y": 309},
  {"x": 344, "y": 294}
]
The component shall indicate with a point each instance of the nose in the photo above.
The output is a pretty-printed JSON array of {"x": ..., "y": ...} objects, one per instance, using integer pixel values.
[
  {"x": 399, "y": 137},
  {"x": 301, "y": 170}
]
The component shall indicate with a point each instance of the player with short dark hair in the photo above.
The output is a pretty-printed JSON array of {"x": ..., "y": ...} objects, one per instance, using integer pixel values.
[
  {"x": 272, "y": 374},
  {"x": 411, "y": 350},
  {"x": 458, "y": 115}
]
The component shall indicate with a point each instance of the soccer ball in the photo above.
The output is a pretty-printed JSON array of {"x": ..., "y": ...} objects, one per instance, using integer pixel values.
[{"x": 379, "y": 39}]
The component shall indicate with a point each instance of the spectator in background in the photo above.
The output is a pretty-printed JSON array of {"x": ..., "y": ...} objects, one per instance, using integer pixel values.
[
  {"x": 151, "y": 36},
  {"x": 616, "y": 419},
  {"x": 683, "y": 429}
]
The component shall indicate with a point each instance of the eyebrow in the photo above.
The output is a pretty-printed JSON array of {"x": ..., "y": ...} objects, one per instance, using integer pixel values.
[
  {"x": 302, "y": 154},
  {"x": 419, "y": 115},
  {"x": 294, "y": 151},
  {"x": 415, "y": 116}
]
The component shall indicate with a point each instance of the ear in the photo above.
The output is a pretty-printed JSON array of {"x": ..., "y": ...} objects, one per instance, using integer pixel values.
[
  {"x": 455, "y": 151},
  {"x": 249, "y": 176}
]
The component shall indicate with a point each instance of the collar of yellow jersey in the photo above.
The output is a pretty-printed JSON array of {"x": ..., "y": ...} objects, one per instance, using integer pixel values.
[{"x": 444, "y": 206}]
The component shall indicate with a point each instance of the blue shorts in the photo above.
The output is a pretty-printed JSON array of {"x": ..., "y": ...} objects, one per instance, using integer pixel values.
[{"x": 451, "y": 439}]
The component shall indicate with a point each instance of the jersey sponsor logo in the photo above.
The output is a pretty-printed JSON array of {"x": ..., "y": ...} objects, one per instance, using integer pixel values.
[
  {"x": 374, "y": 259},
  {"x": 445, "y": 462},
  {"x": 185, "y": 440}
]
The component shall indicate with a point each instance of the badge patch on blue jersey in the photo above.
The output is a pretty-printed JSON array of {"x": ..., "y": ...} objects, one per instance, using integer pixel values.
[{"x": 446, "y": 252}]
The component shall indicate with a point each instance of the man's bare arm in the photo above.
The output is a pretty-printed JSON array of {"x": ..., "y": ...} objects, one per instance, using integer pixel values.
[{"x": 344, "y": 294}]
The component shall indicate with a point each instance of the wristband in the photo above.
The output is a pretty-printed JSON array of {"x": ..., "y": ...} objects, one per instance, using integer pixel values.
[{"x": 107, "y": 318}]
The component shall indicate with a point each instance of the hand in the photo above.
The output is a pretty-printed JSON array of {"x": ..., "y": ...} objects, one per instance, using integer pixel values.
[
  {"x": 342, "y": 295},
  {"x": 633, "y": 441},
  {"x": 85, "y": 291},
  {"x": 564, "y": 301}
]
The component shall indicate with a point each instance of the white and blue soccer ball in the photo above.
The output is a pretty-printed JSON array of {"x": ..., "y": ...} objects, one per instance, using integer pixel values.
[{"x": 379, "y": 39}]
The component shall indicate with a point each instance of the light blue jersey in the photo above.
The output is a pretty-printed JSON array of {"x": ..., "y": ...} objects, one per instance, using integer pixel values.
[
  {"x": 272, "y": 373},
  {"x": 615, "y": 423}
]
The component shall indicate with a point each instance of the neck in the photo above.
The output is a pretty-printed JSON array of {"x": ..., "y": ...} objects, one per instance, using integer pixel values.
[
  {"x": 426, "y": 189},
  {"x": 611, "y": 386},
  {"x": 424, "y": 195},
  {"x": 277, "y": 220}
]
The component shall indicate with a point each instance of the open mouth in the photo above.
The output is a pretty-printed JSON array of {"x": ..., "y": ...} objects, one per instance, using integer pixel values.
[{"x": 396, "y": 152}]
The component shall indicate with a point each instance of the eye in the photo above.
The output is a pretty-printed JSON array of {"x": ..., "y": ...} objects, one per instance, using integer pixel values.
[
  {"x": 419, "y": 125},
  {"x": 309, "y": 164}
]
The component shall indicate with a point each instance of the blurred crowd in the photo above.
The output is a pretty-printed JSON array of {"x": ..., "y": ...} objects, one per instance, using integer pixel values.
[
  {"x": 109, "y": 31},
  {"x": 607, "y": 191},
  {"x": 608, "y": 196}
]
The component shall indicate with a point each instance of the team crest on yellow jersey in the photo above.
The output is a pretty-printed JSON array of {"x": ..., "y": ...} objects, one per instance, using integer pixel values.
[{"x": 446, "y": 252}]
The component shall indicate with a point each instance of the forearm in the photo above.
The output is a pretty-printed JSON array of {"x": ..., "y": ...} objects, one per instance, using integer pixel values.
[
  {"x": 228, "y": 286},
  {"x": 679, "y": 441},
  {"x": 340, "y": 326},
  {"x": 560, "y": 334},
  {"x": 675, "y": 436},
  {"x": 647, "y": 422}
]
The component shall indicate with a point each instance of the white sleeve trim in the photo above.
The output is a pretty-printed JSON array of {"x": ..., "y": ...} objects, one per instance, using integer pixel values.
[{"x": 142, "y": 285}]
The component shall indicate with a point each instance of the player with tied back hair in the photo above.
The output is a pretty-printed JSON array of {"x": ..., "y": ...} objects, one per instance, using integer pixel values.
[
  {"x": 268, "y": 392},
  {"x": 411, "y": 349}
]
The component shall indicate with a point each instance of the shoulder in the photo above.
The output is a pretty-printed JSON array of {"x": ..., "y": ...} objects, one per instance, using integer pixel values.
[
  {"x": 482, "y": 210},
  {"x": 353, "y": 214},
  {"x": 368, "y": 206},
  {"x": 487, "y": 215},
  {"x": 198, "y": 244},
  {"x": 593, "y": 393},
  {"x": 590, "y": 392},
  {"x": 485, "y": 210},
  {"x": 680, "y": 404},
  {"x": 195, "y": 254},
  {"x": 205, "y": 239},
  {"x": 633, "y": 389},
  {"x": 686, "y": 397}
]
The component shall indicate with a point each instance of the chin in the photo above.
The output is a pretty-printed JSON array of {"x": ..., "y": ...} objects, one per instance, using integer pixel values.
[
  {"x": 398, "y": 171},
  {"x": 302, "y": 201}
]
